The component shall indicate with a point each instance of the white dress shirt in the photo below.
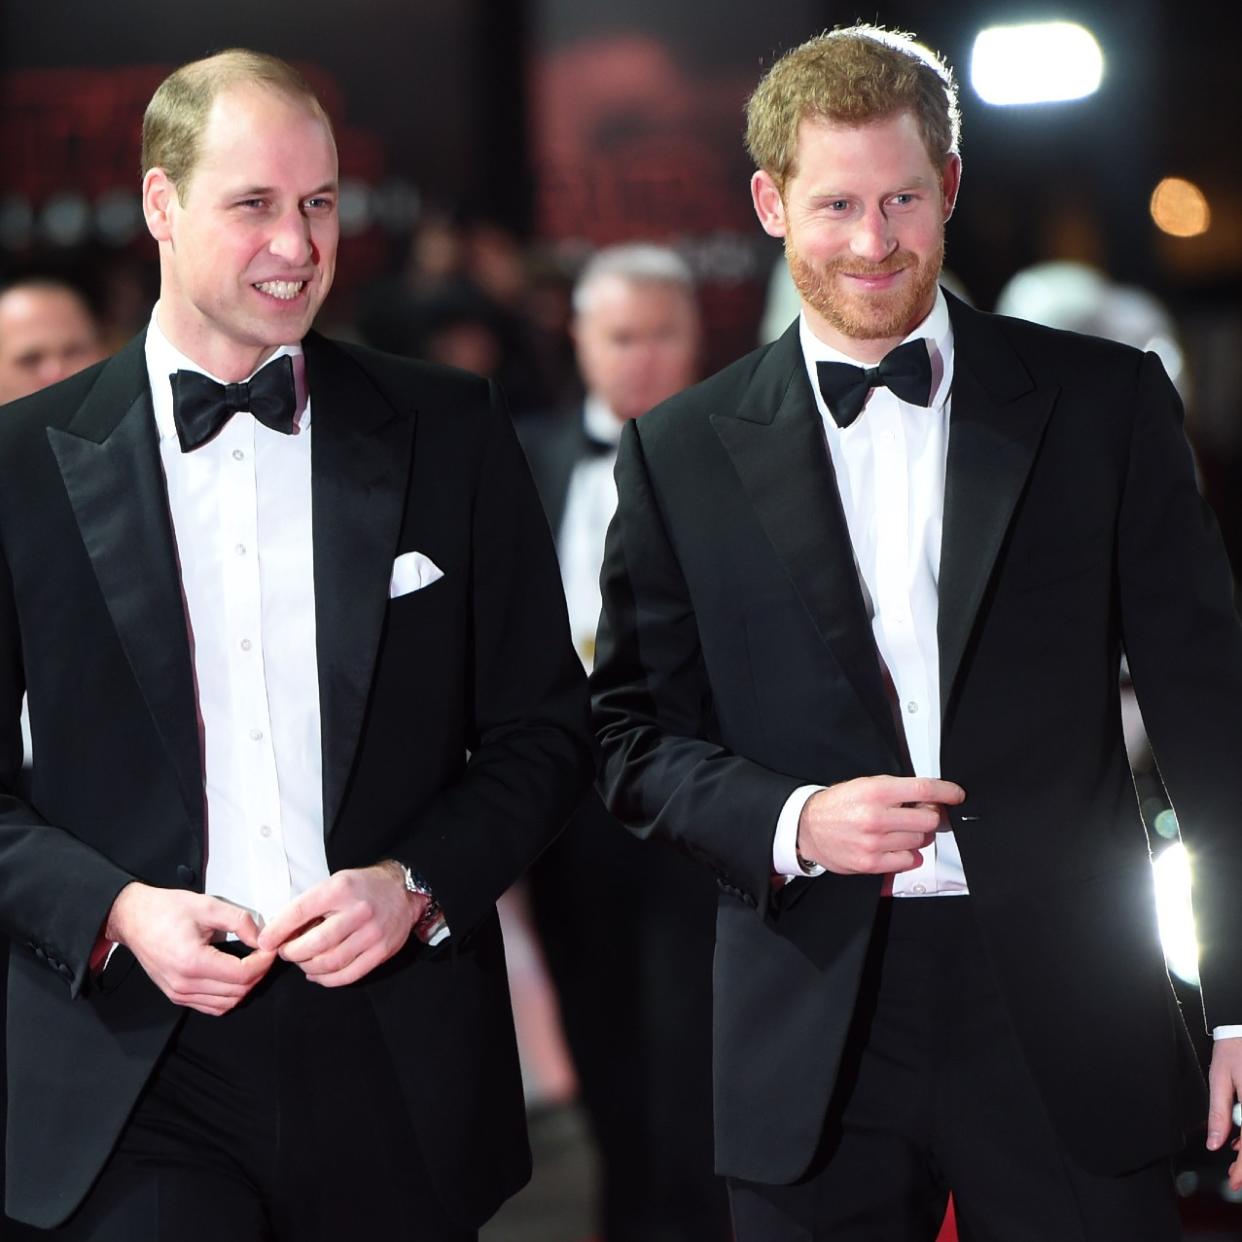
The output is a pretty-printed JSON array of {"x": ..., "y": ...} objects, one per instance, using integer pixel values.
[
  {"x": 590, "y": 502},
  {"x": 241, "y": 518},
  {"x": 890, "y": 471}
]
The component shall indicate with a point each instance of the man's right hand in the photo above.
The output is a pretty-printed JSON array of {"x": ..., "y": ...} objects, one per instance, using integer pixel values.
[
  {"x": 874, "y": 825},
  {"x": 170, "y": 931}
]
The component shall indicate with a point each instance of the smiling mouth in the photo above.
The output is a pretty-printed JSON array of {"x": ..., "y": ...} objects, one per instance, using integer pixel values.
[{"x": 284, "y": 290}]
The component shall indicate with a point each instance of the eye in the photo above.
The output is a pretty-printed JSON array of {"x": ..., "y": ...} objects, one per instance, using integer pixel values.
[
  {"x": 904, "y": 199},
  {"x": 320, "y": 204}
]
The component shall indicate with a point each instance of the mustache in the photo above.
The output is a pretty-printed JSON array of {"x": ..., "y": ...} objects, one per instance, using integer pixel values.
[{"x": 845, "y": 267}]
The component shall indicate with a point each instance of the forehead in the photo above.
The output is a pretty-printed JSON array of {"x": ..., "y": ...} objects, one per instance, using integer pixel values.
[
  {"x": 891, "y": 142},
  {"x": 616, "y": 297},
  {"x": 257, "y": 131},
  {"x": 29, "y": 313}
]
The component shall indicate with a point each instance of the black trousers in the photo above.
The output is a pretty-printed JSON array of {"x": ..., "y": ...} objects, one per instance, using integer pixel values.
[
  {"x": 279, "y": 1122},
  {"x": 934, "y": 1096}
]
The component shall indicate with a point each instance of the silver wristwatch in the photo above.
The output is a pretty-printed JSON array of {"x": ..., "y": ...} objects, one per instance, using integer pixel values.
[{"x": 432, "y": 912}]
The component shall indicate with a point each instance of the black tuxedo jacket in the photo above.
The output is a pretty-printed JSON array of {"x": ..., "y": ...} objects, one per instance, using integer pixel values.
[
  {"x": 454, "y": 739},
  {"x": 736, "y": 662}
]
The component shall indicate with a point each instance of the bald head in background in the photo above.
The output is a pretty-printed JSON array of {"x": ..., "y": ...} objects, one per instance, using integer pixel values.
[{"x": 47, "y": 333}]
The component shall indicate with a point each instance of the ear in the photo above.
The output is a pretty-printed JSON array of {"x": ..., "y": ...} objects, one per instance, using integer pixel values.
[
  {"x": 951, "y": 182},
  {"x": 159, "y": 196},
  {"x": 769, "y": 206}
]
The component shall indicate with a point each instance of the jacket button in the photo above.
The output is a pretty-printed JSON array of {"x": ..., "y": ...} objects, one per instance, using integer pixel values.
[{"x": 186, "y": 876}]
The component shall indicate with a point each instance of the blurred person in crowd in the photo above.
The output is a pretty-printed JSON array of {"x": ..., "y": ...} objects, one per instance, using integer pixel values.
[
  {"x": 459, "y": 298},
  {"x": 299, "y": 719},
  {"x": 627, "y": 929},
  {"x": 865, "y": 599},
  {"x": 47, "y": 333}
]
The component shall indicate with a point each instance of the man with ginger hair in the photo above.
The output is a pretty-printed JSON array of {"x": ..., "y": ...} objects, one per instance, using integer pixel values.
[
  {"x": 865, "y": 599},
  {"x": 303, "y": 705}
]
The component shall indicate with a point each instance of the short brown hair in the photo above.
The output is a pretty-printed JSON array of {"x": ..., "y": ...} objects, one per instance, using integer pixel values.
[
  {"x": 173, "y": 124},
  {"x": 851, "y": 76}
]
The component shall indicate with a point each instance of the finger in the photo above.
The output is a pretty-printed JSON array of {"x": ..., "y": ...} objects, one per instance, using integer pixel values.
[
  {"x": 918, "y": 821},
  {"x": 324, "y": 937},
  {"x": 890, "y": 842},
  {"x": 342, "y": 954},
  {"x": 224, "y": 916},
  {"x": 359, "y": 968},
  {"x": 212, "y": 1006},
  {"x": 223, "y": 974},
  {"x": 311, "y": 906},
  {"x": 896, "y": 790},
  {"x": 899, "y": 860},
  {"x": 256, "y": 966},
  {"x": 1220, "y": 1106}
]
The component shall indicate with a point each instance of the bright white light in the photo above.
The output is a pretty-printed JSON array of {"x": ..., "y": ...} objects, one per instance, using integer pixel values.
[
  {"x": 1043, "y": 62},
  {"x": 1173, "y": 910}
]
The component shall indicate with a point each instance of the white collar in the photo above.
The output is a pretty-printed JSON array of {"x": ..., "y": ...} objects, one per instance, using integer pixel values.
[{"x": 599, "y": 422}]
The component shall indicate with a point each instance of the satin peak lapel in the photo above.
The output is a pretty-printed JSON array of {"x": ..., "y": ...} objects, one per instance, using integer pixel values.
[
  {"x": 360, "y": 469},
  {"x": 776, "y": 443},
  {"x": 109, "y": 461},
  {"x": 996, "y": 425}
]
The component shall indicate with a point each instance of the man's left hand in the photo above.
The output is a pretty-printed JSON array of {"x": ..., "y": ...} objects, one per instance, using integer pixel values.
[
  {"x": 347, "y": 925},
  {"x": 1224, "y": 1086}
]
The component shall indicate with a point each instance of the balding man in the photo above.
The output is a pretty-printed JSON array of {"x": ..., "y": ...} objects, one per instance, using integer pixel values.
[
  {"x": 299, "y": 717},
  {"x": 47, "y": 333},
  {"x": 627, "y": 930}
]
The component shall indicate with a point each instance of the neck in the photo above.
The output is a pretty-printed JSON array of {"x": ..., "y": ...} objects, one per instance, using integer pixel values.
[{"x": 228, "y": 361}]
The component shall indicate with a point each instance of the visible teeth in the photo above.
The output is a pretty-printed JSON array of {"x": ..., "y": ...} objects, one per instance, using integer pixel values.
[{"x": 283, "y": 289}]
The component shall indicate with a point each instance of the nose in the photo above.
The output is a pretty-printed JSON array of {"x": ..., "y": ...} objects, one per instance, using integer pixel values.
[
  {"x": 291, "y": 239},
  {"x": 872, "y": 239},
  {"x": 56, "y": 369}
]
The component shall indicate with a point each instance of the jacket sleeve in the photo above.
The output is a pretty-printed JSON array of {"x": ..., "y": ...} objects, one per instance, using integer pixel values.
[
  {"x": 1184, "y": 647},
  {"x": 55, "y": 891},
  {"x": 532, "y": 756},
  {"x": 666, "y": 772}
]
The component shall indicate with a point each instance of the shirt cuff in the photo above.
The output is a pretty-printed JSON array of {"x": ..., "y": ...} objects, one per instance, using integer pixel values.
[
  {"x": 1227, "y": 1032},
  {"x": 432, "y": 931},
  {"x": 785, "y": 842}
]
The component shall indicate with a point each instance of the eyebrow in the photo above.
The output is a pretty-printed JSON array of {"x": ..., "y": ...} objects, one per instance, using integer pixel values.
[{"x": 261, "y": 191}]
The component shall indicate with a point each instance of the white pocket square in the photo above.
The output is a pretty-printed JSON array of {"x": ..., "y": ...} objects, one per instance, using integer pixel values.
[{"x": 412, "y": 571}]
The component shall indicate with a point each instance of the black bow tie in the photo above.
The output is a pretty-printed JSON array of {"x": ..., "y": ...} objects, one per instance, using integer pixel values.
[
  {"x": 905, "y": 371},
  {"x": 201, "y": 406}
]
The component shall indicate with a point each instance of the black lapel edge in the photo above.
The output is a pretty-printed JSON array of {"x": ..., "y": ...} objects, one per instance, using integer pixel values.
[
  {"x": 997, "y": 422},
  {"x": 776, "y": 443},
  {"x": 361, "y": 449},
  {"x": 109, "y": 463}
]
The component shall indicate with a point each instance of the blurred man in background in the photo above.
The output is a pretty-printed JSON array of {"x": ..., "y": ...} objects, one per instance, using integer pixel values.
[
  {"x": 627, "y": 929},
  {"x": 47, "y": 333}
]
